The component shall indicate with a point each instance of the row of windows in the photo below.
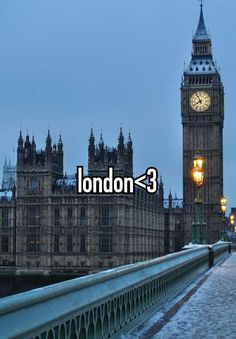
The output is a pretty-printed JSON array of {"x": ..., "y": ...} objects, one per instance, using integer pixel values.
[
  {"x": 105, "y": 215},
  {"x": 105, "y": 243},
  {"x": 69, "y": 243},
  {"x": 33, "y": 243},
  {"x": 32, "y": 215},
  {"x": 200, "y": 80},
  {"x": 201, "y": 49}
]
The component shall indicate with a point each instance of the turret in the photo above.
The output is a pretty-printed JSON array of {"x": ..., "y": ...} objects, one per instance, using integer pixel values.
[
  {"x": 5, "y": 164},
  {"x": 27, "y": 148},
  {"x": 60, "y": 144},
  {"x": 161, "y": 192},
  {"x": 101, "y": 156},
  {"x": 91, "y": 148},
  {"x": 33, "y": 146},
  {"x": 130, "y": 154},
  {"x": 60, "y": 155},
  {"x": 121, "y": 145},
  {"x": 20, "y": 141},
  {"x": 48, "y": 149},
  {"x": 20, "y": 150},
  {"x": 170, "y": 200},
  {"x": 101, "y": 149}
]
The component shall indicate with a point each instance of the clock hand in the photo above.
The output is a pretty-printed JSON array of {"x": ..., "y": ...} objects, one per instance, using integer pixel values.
[{"x": 200, "y": 101}]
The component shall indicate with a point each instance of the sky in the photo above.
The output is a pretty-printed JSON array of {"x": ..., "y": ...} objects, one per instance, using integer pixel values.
[{"x": 70, "y": 65}]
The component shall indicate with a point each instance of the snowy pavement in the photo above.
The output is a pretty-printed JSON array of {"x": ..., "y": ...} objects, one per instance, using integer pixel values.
[{"x": 209, "y": 313}]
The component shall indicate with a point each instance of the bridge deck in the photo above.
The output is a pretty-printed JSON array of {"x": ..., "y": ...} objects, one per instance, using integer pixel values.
[{"x": 206, "y": 311}]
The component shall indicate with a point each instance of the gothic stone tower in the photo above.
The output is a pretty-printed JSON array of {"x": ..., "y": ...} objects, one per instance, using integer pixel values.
[
  {"x": 37, "y": 172},
  {"x": 202, "y": 110},
  {"x": 101, "y": 156}
]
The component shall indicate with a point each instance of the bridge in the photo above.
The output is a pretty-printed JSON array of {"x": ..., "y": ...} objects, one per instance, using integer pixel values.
[{"x": 108, "y": 304}]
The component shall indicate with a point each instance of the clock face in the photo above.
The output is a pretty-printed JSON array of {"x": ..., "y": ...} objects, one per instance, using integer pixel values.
[{"x": 200, "y": 101}]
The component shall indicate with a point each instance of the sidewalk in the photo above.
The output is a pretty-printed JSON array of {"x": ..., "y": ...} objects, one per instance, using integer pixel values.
[{"x": 209, "y": 313}]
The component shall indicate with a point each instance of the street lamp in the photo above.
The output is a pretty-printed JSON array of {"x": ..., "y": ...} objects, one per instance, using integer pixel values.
[
  {"x": 197, "y": 170},
  {"x": 223, "y": 203},
  {"x": 198, "y": 177},
  {"x": 231, "y": 221}
]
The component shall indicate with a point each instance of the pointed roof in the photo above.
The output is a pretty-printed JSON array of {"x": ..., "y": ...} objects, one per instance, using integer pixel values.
[
  {"x": 60, "y": 140},
  {"x": 5, "y": 163},
  {"x": 161, "y": 182},
  {"x": 101, "y": 142},
  {"x": 60, "y": 143},
  {"x": 49, "y": 139},
  {"x": 20, "y": 139},
  {"x": 121, "y": 136},
  {"x": 129, "y": 140},
  {"x": 48, "y": 136},
  {"x": 33, "y": 142},
  {"x": 201, "y": 32},
  {"x": 91, "y": 137}
]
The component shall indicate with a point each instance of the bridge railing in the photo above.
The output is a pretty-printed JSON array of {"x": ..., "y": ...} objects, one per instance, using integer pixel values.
[
  {"x": 104, "y": 304},
  {"x": 233, "y": 246}
]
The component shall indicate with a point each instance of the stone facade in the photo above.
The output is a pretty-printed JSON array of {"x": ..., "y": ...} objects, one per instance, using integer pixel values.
[{"x": 46, "y": 227}]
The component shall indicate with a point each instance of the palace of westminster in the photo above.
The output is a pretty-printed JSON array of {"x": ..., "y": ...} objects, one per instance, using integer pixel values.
[{"x": 46, "y": 227}]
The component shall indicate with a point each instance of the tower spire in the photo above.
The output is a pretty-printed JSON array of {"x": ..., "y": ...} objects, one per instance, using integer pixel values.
[
  {"x": 101, "y": 142},
  {"x": 91, "y": 138},
  {"x": 201, "y": 32},
  {"x": 60, "y": 143},
  {"x": 121, "y": 137}
]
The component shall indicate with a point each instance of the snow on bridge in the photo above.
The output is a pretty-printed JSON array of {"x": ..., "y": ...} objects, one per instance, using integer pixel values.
[{"x": 207, "y": 309}]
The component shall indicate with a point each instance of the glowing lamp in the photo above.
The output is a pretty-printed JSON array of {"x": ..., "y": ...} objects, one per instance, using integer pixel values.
[
  {"x": 223, "y": 203},
  {"x": 231, "y": 219},
  {"x": 197, "y": 170}
]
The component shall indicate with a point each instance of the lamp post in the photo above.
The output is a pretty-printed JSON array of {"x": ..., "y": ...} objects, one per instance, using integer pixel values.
[
  {"x": 223, "y": 203},
  {"x": 231, "y": 221},
  {"x": 198, "y": 227}
]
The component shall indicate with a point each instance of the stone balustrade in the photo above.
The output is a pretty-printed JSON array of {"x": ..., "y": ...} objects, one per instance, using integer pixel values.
[{"x": 104, "y": 304}]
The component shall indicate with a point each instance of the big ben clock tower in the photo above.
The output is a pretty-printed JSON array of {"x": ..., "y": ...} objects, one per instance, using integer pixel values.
[{"x": 202, "y": 111}]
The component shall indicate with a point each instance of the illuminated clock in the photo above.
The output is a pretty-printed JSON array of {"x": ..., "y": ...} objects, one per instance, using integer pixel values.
[{"x": 200, "y": 101}]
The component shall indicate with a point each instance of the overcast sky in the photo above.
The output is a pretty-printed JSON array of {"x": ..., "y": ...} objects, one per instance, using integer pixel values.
[{"x": 73, "y": 64}]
